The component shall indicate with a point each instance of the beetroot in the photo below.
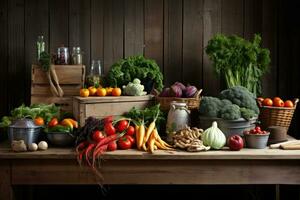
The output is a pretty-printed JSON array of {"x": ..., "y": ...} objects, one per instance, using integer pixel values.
[
  {"x": 175, "y": 91},
  {"x": 190, "y": 91}
]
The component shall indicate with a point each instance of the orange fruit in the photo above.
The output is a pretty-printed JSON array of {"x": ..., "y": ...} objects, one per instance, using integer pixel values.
[
  {"x": 267, "y": 102},
  {"x": 101, "y": 92},
  {"x": 288, "y": 104},
  {"x": 84, "y": 92},
  {"x": 109, "y": 91},
  {"x": 92, "y": 90},
  {"x": 39, "y": 121},
  {"x": 116, "y": 92}
]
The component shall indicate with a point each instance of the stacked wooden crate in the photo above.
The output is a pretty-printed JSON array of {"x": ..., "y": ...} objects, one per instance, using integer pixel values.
[
  {"x": 84, "y": 107},
  {"x": 71, "y": 78}
]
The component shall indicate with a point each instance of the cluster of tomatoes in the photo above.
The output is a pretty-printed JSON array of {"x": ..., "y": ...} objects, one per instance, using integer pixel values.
[
  {"x": 100, "y": 91},
  {"x": 276, "y": 102},
  {"x": 127, "y": 141},
  {"x": 257, "y": 130}
]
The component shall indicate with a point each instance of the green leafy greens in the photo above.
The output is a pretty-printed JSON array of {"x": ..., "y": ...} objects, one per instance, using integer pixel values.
[
  {"x": 241, "y": 62},
  {"x": 46, "y": 111},
  {"x": 126, "y": 70}
]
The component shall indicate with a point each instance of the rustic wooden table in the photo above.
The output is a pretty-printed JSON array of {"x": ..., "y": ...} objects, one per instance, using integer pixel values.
[{"x": 59, "y": 166}]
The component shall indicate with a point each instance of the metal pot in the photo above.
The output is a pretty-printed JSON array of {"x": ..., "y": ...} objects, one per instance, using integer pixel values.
[
  {"x": 228, "y": 127},
  {"x": 24, "y": 129}
]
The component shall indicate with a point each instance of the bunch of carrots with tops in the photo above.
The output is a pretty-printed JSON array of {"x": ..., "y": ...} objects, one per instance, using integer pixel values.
[
  {"x": 147, "y": 138},
  {"x": 92, "y": 142}
]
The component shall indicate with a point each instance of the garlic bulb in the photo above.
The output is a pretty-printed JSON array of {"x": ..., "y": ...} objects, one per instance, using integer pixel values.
[{"x": 214, "y": 137}]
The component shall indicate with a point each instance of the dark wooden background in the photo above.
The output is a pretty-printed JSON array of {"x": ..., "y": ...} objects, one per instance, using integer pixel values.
[{"x": 173, "y": 32}]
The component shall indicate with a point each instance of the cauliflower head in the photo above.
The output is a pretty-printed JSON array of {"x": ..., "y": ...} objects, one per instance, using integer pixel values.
[{"x": 134, "y": 88}]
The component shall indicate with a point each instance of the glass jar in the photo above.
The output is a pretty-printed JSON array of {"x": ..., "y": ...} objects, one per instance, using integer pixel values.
[
  {"x": 178, "y": 119},
  {"x": 40, "y": 46},
  {"x": 76, "y": 56},
  {"x": 63, "y": 55},
  {"x": 94, "y": 77}
]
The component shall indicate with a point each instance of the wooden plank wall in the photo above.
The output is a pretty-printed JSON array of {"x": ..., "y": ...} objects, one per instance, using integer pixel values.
[{"x": 173, "y": 32}]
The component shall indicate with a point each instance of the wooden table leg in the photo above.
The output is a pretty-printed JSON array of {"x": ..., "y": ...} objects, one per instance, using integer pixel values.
[{"x": 6, "y": 192}]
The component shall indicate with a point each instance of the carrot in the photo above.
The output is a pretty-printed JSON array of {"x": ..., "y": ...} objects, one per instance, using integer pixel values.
[
  {"x": 106, "y": 141},
  {"x": 151, "y": 142},
  {"x": 141, "y": 136},
  {"x": 161, "y": 141},
  {"x": 80, "y": 147},
  {"x": 98, "y": 152},
  {"x": 149, "y": 130},
  {"x": 88, "y": 150},
  {"x": 137, "y": 134}
]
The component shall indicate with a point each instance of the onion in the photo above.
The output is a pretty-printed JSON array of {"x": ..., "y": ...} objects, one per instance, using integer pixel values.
[
  {"x": 182, "y": 87},
  {"x": 175, "y": 91},
  {"x": 190, "y": 91}
]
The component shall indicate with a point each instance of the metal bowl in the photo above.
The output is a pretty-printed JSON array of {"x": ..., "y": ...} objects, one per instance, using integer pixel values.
[
  {"x": 61, "y": 139},
  {"x": 256, "y": 141}
]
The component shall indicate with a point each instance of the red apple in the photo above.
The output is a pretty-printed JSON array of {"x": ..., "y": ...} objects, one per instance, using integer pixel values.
[{"x": 235, "y": 143}]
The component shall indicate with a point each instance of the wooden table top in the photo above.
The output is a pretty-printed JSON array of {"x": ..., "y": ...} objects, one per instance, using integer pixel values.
[{"x": 132, "y": 154}]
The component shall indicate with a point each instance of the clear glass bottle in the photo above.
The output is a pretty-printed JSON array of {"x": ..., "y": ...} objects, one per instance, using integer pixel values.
[
  {"x": 94, "y": 77},
  {"x": 40, "y": 46}
]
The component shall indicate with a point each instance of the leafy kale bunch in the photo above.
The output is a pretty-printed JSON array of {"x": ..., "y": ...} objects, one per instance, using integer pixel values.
[
  {"x": 234, "y": 103},
  {"x": 126, "y": 70},
  {"x": 241, "y": 62}
]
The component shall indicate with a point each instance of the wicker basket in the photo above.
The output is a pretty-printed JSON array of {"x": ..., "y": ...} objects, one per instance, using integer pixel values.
[
  {"x": 192, "y": 103},
  {"x": 276, "y": 116}
]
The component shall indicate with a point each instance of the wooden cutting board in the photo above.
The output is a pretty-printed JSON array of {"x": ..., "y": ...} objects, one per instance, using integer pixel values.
[{"x": 289, "y": 145}]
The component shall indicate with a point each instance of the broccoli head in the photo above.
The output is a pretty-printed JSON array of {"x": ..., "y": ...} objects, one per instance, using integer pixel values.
[
  {"x": 230, "y": 112},
  {"x": 210, "y": 106},
  {"x": 247, "y": 113},
  {"x": 241, "y": 96}
]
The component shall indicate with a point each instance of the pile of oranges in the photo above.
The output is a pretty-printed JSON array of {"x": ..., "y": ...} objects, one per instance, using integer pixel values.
[
  {"x": 276, "y": 102},
  {"x": 101, "y": 92}
]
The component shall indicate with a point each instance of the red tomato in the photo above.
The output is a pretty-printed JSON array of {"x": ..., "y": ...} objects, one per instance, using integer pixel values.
[
  {"x": 98, "y": 136},
  {"x": 267, "y": 102},
  {"x": 108, "y": 119},
  {"x": 122, "y": 125},
  {"x": 124, "y": 143},
  {"x": 53, "y": 122},
  {"x": 131, "y": 139},
  {"x": 112, "y": 146},
  {"x": 109, "y": 129},
  {"x": 257, "y": 128},
  {"x": 130, "y": 130},
  {"x": 288, "y": 104}
]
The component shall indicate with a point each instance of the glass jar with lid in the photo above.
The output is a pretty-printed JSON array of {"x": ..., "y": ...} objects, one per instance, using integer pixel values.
[
  {"x": 94, "y": 77},
  {"x": 76, "y": 56}
]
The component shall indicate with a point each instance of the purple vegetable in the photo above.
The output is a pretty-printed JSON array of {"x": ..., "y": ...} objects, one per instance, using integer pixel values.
[
  {"x": 165, "y": 92},
  {"x": 190, "y": 91},
  {"x": 175, "y": 91},
  {"x": 182, "y": 87}
]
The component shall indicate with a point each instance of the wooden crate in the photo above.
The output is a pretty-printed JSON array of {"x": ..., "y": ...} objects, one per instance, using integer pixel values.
[
  {"x": 84, "y": 107},
  {"x": 71, "y": 78}
]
